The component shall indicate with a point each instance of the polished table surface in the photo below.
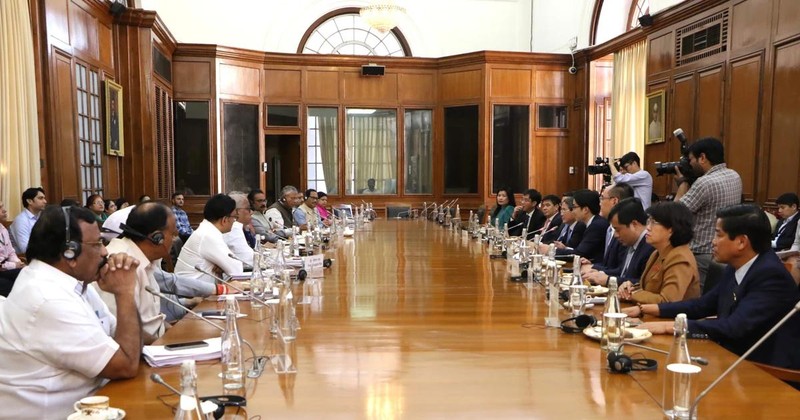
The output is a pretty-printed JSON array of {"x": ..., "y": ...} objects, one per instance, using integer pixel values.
[{"x": 416, "y": 322}]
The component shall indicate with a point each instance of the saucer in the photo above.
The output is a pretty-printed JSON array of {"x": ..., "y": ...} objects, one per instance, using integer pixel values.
[
  {"x": 113, "y": 414},
  {"x": 632, "y": 335}
]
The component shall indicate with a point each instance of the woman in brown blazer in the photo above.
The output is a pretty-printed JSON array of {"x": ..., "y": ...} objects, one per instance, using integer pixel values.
[{"x": 671, "y": 272}]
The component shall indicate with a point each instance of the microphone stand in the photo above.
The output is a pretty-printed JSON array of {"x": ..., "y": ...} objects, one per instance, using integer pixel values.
[
  {"x": 227, "y": 283},
  {"x": 258, "y": 361},
  {"x": 699, "y": 360},
  {"x": 791, "y": 313}
]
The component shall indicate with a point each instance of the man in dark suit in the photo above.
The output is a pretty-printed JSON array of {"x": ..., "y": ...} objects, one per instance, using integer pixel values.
[
  {"x": 628, "y": 220},
  {"x": 527, "y": 215},
  {"x": 551, "y": 207},
  {"x": 571, "y": 232},
  {"x": 586, "y": 209},
  {"x": 787, "y": 227},
  {"x": 614, "y": 253},
  {"x": 755, "y": 292}
]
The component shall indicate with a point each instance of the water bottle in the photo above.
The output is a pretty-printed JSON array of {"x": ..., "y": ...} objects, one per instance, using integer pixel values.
[
  {"x": 232, "y": 357},
  {"x": 612, "y": 306},
  {"x": 189, "y": 406},
  {"x": 257, "y": 281},
  {"x": 286, "y": 314},
  {"x": 676, "y": 401}
]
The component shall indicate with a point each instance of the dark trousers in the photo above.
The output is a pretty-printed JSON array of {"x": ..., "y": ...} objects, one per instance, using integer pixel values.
[{"x": 7, "y": 278}]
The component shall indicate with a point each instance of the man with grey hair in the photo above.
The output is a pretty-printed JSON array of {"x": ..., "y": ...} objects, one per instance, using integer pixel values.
[
  {"x": 236, "y": 239},
  {"x": 279, "y": 215}
]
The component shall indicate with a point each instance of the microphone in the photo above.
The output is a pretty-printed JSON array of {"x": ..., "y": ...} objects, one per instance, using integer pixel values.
[
  {"x": 157, "y": 379},
  {"x": 699, "y": 360},
  {"x": 791, "y": 313},
  {"x": 258, "y": 361},
  {"x": 197, "y": 267},
  {"x": 246, "y": 264}
]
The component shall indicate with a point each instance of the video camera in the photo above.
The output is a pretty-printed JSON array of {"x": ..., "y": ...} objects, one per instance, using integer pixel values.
[
  {"x": 668, "y": 168},
  {"x": 601, "y": 166}
]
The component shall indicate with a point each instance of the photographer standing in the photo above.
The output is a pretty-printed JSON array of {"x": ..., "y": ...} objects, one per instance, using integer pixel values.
[
  {"x": 631, "y": 173},
  {"x": 716, "y": 187}
]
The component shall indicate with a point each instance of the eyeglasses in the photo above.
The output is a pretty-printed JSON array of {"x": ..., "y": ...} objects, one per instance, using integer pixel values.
[
  {"x": 652, "y": 222},
  {"x": 234, "y": 216},
  {"x": 247, "y": 209}
]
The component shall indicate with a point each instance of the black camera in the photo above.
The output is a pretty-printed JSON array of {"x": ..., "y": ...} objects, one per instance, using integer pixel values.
[
  {"x": 668, "y": 168},
  {"x": 601, "y": 166}
]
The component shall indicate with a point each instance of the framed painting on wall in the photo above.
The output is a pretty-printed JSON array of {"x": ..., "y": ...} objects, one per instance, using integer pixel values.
[
  {"x": 114, "y": 134},
  {"x": 654, "y": 120}
]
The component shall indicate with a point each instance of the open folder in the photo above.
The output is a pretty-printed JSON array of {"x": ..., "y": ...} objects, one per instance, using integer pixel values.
[{"x": 158, "y": 356}]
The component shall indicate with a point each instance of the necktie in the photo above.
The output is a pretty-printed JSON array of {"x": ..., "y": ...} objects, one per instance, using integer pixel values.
[
  {"x": 609, "y": 236},
  {"x": 569, "y": 233},
  {"x": 546, "y": 225},
  {"x": 628, "y": 259}
]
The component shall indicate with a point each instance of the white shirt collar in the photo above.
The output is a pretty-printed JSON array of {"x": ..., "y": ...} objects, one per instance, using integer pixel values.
[
  {"x": 590, "y": 221},
  {"x": 639, "y": 241},
  {"x": 742, "y": 271}
]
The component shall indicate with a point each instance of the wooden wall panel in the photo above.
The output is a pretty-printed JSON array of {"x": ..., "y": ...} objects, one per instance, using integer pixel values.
[
  {"x": 192, "y": 78},
  {"x": 358, "y": 88},
  {"x": 322, "y": 85},
  {"x": 57, "y": 15},
  {"x": 416, "y": 88},
  {"x": 83, "y": 32},
  {"x": 239, "y": 80},
  {"x": 741, "y": 133},
  {"x": 63, "y": 145},
  {"x": 682, "y": 107},
  {"x": 509, "y": 83},
  {"x": 551, "y": 84},
  {"x": 458, "y": 85},
  {"x": 788, "y": 19},
  {"x": 661, "y": 54},
  {"x": 748, "y": 22},
  {"x": 784, "y": 156},
  {"x": 105, "y": 40},
  {"x": 282, "y": 84},
  {"x": 710, "y": 103}
]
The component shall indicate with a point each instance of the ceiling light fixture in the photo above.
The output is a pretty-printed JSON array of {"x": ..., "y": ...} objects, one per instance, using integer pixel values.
[{"x": 382, "y": 14}]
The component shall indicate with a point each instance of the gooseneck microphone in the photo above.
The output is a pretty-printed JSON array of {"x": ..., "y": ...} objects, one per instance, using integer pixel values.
[
  {"x": 157, "y": 379},
  {"x": 693, "y": 409},
  {"x": 258, "y": 361},
  {"x": 699, "y": 360},
  {"x": 246, "y": 264},
  {"x": 227, "y": 283}
]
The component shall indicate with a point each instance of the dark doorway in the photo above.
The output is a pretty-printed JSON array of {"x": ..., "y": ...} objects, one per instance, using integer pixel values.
[{"x": 282, "y": 153}]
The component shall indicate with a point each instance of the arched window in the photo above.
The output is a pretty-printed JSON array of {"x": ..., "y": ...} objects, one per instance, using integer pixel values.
[
  {"x": 638, "y": 8},
  {"x": 344, "y": 32}
]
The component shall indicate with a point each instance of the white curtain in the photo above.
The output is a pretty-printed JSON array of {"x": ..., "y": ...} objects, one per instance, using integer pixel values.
[
  {"x": 372, "y": 152},
  {"x": 629, "y": 95},
  {"x": 328, "y": 140},
  {"x": 19, "y": 132}
]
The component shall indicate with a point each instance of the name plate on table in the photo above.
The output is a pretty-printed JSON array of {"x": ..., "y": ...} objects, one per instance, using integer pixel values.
[{"x": 313, "y": 265}]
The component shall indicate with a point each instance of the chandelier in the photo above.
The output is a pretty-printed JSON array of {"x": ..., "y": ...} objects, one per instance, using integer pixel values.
[{"x": 382, "y": 14}]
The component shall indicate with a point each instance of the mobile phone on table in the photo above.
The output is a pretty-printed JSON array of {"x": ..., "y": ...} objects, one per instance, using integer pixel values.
[{"x": 186, "y": 345}]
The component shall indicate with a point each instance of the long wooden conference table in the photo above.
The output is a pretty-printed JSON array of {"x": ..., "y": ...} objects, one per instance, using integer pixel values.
[{"x": 416, "y": 322}]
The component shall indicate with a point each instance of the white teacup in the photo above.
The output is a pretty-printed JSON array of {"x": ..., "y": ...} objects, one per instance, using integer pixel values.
[{"x": 93, "y": 402}]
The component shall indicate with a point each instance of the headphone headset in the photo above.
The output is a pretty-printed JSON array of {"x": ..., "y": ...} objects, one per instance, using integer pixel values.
[
  {"x": 156, "y": 237},
  {"x": 622, "y": 363},
  {"x": 581, "y": 323},
  {"x": 72, "y": 249}
]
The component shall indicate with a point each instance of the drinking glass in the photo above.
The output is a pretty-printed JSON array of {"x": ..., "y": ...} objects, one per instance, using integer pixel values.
[
  {"x": 614, "y": 330},
  {"x": 577, "y": 299},
  {"x": 683, "y": 379}
]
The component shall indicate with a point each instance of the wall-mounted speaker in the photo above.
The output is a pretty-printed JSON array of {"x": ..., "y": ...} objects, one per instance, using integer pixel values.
[
  {"x": 118, "y": 7},
  {"x": 646, "y": 20},
  {"x": 372, "y": 70}
]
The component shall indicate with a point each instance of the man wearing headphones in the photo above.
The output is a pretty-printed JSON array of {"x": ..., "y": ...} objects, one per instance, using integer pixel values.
[
  {"x": 146, "y": 236},
  {"x": 279, "y": 215},
  {"x": 55, "y": 340}
]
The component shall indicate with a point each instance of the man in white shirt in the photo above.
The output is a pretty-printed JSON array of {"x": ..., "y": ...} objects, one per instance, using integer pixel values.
[
  {"x": 206, "y": 247},
  {"x": 33, "y": 202},
  {"x": 632, "y": 174},
  {"x": 235, "y": 239},
  {"x": 54, "y": 342},
  {"x": 147, "y": 236}
]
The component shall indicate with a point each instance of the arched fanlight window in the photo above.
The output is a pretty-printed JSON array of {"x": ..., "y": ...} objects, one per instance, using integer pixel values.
[
  {"x": 344, "y": 32},
  {"x": 638, "y": 9}
]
